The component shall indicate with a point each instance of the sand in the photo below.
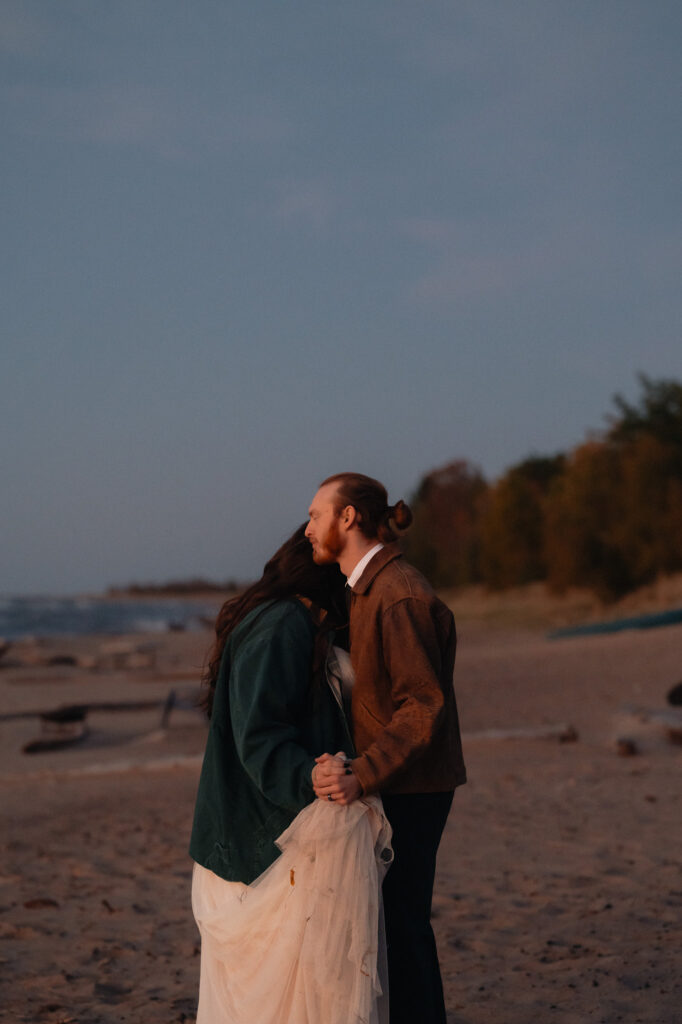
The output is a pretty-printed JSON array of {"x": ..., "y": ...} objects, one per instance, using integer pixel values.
[{"x": 558, "y": 893}]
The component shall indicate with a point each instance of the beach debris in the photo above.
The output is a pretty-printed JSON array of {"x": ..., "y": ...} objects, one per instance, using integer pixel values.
[
  {"x": 125, "y": 654},
  {"x": 29, "y": 655},
  {"x": 40, "y": 903},
  {"x": 626, "y": 747},
  {"x": 62, "y": 659},
  {"x": 562, "y": 731},
  {"x": 674, "y": 696},
  {"x": 672, "y": 724},
  {"x": 25, "y": 654},
  {"x": 67, "y": 725},
  {"x": 668, "y": 719},
  {"x": 185, "y": 701},
  {"x": 68, "y": 709},
  {"x": 86, "y": 661},
  {"x": 60, "y": 728}
]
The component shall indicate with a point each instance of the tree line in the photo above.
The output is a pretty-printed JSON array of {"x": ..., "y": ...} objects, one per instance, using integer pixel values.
[{"x": 606, "y": 515}]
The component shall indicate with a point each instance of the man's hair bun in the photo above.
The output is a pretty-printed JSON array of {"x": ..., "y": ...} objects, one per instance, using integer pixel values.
[
  {"x": 401, "y": 514},
  {"x": 370, "y": 501}
]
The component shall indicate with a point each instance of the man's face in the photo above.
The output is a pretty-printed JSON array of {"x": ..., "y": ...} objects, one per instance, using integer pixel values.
[{"x": 323, "y": 531}]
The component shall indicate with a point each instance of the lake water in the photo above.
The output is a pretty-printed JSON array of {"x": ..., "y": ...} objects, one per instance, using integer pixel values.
[{"x": 62, "y": 616}]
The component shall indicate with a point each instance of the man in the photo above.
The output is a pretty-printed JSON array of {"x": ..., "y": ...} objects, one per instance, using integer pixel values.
[{"x": 404, "y": 719}]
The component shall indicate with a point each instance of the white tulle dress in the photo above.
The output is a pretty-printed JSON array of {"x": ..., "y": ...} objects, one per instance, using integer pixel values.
[{"x": 304, "y": 943}]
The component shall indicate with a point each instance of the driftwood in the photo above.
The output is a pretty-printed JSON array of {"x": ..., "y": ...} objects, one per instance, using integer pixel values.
[
  {"x": 124, "y": 654},
  {"x": 563, "y": 732},
  {"x": 180, "y": 701},
  {"x": 68, "y": 709},
  {"x": 67, "y": 724},
  {"x": 113, "y": 655},
  {"x": 670, "y": 719},
  {"x": 57, "y": 733}
]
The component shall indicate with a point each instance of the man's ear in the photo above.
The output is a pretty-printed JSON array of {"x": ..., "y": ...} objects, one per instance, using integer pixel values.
[{"x": 348, "y": 517}]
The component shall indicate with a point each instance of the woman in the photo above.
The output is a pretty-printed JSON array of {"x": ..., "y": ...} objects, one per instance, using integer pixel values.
[{"x": 290, "y": 938}]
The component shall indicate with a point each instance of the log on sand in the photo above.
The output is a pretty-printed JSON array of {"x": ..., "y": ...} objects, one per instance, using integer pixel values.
[
  {"x": 66, "y": 725},
  {"x": 563, "y": 732}
]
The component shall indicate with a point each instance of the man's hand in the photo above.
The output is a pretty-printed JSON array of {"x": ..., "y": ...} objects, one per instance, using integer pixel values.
[{"x": 332, "y": 777}]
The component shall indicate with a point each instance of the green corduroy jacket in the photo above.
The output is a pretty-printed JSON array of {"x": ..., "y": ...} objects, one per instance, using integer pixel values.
[{"x": 267, "y": 725}]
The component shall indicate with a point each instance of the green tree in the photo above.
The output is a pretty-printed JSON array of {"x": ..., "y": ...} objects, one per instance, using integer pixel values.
[
  {"x": 582, "y": 510},
  {"x": 608, "y": 516},
  {"x": 648, "y": 437},
  {"x": 443, "y": 540},
  {"x": 658, "y": 414},
  {"x": 648, "y": 530},
  {"x": 513, "y": 520}
]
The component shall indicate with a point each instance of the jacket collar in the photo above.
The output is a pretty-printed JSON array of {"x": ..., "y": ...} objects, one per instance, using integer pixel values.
[{"x": 387, "y": 554}]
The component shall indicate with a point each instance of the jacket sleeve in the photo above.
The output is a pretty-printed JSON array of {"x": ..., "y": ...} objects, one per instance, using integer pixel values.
[
  {"x": 268, "y": 691},
  {"x": 413, "y": 660}
]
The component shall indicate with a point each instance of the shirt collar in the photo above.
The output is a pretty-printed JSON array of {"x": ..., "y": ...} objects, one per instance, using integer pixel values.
[{"x": 360, "y": 567}]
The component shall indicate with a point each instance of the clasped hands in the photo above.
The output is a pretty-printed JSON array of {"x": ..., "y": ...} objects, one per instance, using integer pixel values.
[{"x": 333, "y": 779}]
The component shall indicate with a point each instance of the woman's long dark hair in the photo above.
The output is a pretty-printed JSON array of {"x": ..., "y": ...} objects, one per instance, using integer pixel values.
[{"x": 291, "y": 572}]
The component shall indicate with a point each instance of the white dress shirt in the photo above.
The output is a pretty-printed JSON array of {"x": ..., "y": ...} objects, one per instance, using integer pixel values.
[{"x": 364, "y": 561}]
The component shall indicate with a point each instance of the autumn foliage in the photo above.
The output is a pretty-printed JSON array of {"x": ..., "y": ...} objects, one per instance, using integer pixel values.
[{"x": 607, "y": 515}]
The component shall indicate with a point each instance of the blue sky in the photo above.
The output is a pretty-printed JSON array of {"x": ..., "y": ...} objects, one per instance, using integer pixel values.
[{"x": 246, "y": 245}]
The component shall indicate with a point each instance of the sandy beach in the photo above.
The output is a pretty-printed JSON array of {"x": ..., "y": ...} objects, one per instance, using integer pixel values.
[{"x": 558, "y": 895}]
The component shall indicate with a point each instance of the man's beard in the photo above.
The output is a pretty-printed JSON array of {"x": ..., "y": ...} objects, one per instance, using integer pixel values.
[{"x": 331, "y": 547}]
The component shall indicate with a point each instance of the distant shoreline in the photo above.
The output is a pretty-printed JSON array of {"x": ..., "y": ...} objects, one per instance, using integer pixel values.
[
  {"x": 161, "y": 593},
  {"x": 531, "y": 607},
  {"x": 193, "y": 588}
]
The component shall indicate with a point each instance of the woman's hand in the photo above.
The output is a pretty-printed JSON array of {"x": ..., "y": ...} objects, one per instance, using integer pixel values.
[{"x": 333, "y": 779}]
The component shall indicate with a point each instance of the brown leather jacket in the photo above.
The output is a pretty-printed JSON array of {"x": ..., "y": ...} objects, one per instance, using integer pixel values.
[{"x": 404, "y": 715}]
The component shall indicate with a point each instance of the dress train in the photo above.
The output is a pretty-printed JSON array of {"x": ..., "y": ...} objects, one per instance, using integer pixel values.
[{"x": 304, "y": 943}]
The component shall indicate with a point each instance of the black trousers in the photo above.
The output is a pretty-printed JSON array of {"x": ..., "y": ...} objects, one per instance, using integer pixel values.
[{"x": 415, "y": 986}]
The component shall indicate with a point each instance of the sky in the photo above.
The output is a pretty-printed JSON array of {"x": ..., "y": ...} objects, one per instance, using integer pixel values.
[{"x": 246, "y": 245}]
